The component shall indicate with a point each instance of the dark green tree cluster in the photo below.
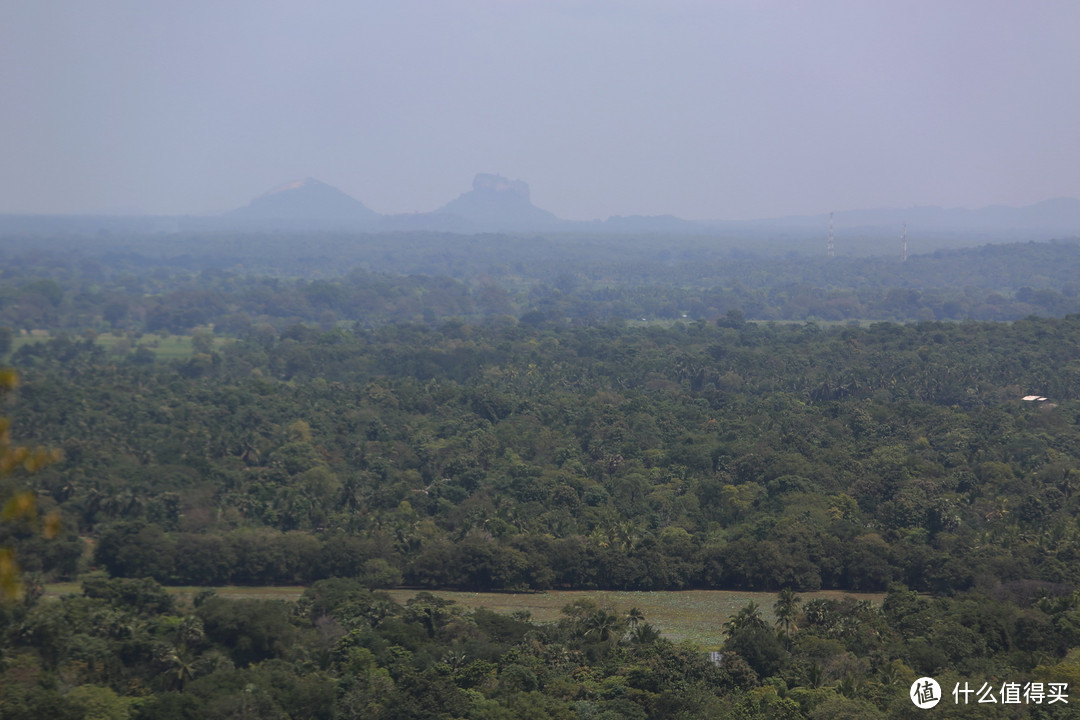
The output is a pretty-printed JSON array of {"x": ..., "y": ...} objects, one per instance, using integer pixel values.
[{"x": 509, "y": 456}]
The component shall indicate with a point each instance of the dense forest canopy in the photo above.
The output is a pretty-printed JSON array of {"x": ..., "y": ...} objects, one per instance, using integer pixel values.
[
  {"x": 180, "y": 282},
  {"x": 524, "y": 430},
  {"x": 515, "y": 456}
]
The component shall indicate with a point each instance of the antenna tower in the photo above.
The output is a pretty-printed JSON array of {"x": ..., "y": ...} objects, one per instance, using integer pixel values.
[
  {"x": 903, "y": 252},
  {"x": 831, "y": 247}
]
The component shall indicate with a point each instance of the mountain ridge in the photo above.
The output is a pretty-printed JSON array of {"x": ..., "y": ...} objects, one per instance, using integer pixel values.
[
  {"x": 305, "y": 200},
  {"x": 503, "y": 205},
  {"x": 499, "y": 204}
]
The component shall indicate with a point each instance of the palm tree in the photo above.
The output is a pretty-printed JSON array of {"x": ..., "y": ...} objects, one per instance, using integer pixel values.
[
  {"x": 786, "y": 611},
  {"x": 890, "y": 674},
  {"x": 352, "y": 494},
  {"x": 644, "y": 634},
  {"x": 1069, "y": 483},
  {"x": 179, "y": 667},
  {"x": 249, "y": 454},
  {"x": 190, "y": 632},
  {"x": 849, "y": 685},
  {"x": 814, "y": 675},
  {"x": 602, "y": 625},
  {"x": 749, "y": 617}
]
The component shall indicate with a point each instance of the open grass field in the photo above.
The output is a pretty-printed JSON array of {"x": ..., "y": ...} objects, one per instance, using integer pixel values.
[
  {"x": 164, "y": 347},
  {"x": 695, "y": 615},
  {"x": 26, "y": 338},
  {"x": 290, "y": 593}
]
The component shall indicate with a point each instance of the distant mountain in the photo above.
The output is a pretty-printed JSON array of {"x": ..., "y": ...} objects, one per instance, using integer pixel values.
[
  {"x": 498, "y": 204},
  {"x": 305, "y": 202},
  {"x": 495, "y": 204}
]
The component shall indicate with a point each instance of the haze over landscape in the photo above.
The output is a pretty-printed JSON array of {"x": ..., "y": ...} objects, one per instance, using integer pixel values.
[
  {"x": 492, "y": 359},
  {"x": 704, "y": 111}
]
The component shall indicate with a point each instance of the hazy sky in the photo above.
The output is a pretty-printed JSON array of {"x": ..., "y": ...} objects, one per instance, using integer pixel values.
[{"x": 710, "y": 109}]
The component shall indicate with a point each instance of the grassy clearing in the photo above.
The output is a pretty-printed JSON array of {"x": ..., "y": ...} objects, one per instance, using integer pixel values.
[
  {"x": 290, "y": 593},
  {"x": 28, "y": 338},
  {"x": 168, "y": 347},
  {"x": 164, "y": 347},
  {"x": 696, "y": 615}
]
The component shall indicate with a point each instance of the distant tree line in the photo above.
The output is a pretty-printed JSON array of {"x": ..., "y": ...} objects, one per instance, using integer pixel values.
[{"x": 42, "y": 291}]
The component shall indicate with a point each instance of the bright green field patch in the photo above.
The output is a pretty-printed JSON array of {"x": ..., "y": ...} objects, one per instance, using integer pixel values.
[
  {"x": 164, "y": 347},
  {"x": 55, "y": 590},
  {"x": 21, "y": 338},
  {"x": 170, "y": 347},
  {"x": 696, "y": 615},
  {"x": 290, "y": 593}
]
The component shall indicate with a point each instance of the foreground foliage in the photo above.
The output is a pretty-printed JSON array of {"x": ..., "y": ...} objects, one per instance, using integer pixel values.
[{"x": 127, "y": 649}]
